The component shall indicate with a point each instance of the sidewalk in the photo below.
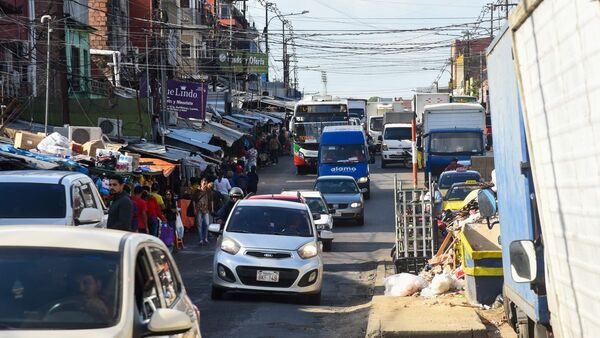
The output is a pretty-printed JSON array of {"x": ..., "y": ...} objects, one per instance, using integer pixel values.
[{"x": 447, "y": 315}]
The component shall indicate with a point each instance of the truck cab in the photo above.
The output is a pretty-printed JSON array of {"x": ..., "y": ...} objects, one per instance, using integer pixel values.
[
  {"x": 375, "y": 128},
  {"x": 396, "y": 144},
  {"x": 343, "y": 151}
]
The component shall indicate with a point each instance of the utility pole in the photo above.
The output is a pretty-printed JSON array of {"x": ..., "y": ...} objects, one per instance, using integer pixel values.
[
  {"x": 47, "y": 18},
  {"x": 267, "y": 34},
  {"x": 62, "y": 65},
  {"x": 506, "y": 8},
  {"x": 230, "y": 53},
  {"x": 150, "y": 108},
  {"x": 286, "y": 71},
  {"x": 492, "y": 21}
]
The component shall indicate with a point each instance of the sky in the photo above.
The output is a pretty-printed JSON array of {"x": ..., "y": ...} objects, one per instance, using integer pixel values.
[{"x": 367, "y": 48}]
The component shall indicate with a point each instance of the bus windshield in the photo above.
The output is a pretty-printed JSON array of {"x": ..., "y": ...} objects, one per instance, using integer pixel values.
[{"x": 309, "y": 132}]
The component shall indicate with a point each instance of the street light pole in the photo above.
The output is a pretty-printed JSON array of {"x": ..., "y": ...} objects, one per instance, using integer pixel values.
[
  {"x": 47, "y": 18},
  {"x": 267, "y": 35}
]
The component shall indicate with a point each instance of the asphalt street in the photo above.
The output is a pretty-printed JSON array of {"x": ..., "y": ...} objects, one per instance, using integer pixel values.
[{"x": 349, "y": 277}]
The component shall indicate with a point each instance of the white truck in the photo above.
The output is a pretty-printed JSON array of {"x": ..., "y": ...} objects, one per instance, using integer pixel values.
[
  {"x": 451, "y": 130},
  {"x": 551, "y": 259},
  {"x": 420, "y": 100},
  {"x": 396, "y": 144},
  {"x": 357, "y": 108}
]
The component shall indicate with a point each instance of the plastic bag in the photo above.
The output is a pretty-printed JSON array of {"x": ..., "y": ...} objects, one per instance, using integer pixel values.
[
  {"x": 403, "y": 284},
  {"x": 440, "y": 284},
  {"x": 179, "y": 229},
  {"x": 55, "y": 144}
]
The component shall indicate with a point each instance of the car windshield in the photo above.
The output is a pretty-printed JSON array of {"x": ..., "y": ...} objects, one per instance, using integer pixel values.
[
  {"x": 336, "y": 187},
  {"x": 446, "y": 181},
  {"x": 460, "y": 192},
  {"x": 451, "y": 143},
  {"x": 32, "y": 200},
  {"x": 316, "y": 205},
  {"x": 61, "y": 288},
  {"x": 343, "y": 153},
  {"x": 270, "y": 221},
  {"x": 398, "y": 133},
  {"x": 358, "y": 112},
  {"x": 376, "y": 124}
]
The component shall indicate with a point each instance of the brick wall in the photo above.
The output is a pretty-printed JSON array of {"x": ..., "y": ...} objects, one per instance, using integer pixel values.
[{"x": 98, "y": 20}]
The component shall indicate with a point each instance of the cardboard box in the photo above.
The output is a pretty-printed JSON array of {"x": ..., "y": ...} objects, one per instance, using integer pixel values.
[
  {"x": 27, "y": 141},
  {"x": 90, "y": 147}
]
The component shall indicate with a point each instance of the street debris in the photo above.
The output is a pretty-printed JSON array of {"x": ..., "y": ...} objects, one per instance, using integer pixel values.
[{"x": 403, "y": 285}]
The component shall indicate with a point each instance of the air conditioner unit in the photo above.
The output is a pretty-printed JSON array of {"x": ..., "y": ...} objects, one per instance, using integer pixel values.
[
  {"x": 82, "y": 135},
  {"x": 111, "y": 127}
]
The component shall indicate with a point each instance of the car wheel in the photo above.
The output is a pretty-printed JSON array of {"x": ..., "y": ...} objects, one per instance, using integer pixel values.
[
  {"x": 327, "y": 246},
  {"x": 312, "y": 299},
  {"x": 383, "y": 164},
  {"x": 361, "y": 219},
  {"x": 217, "y": 293}
]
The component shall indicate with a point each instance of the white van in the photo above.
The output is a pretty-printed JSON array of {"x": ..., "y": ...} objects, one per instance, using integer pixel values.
[
  {"x": 44, "y": 197},
  {"x": 396, "y": 144}
]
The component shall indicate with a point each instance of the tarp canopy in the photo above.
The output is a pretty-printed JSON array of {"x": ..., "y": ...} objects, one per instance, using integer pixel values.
[
  {"x": 168, "y": 153},
  {"x": 236, "y": 123},
  {"x": 155, "y": 164},
  {"x": 195, "y": 138},
  {"x": 229, "y": 135},
  {"x": 277, "y": 119}
]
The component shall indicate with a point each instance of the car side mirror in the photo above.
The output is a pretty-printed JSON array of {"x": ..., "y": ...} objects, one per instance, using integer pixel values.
[
  {"x": 166, "y": 322},
  {"x": 331, "y": 210},
  {"x": 379, "y": 138},
  {"x": 316, "y": 216},
  {"x": 326, "y": 235},
  {"x": 523, "y": 261},
  {"x": 364, "y": 190},
  {"x": 214, "y": 228},
  {"x": 89, "y": 216}
]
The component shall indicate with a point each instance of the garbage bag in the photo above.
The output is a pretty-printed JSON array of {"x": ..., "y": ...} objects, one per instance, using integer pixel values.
[
  {"x": 403, "y": 284},
  {"x": 440, "y": 284},
  {"x": 55, "y": 144}
]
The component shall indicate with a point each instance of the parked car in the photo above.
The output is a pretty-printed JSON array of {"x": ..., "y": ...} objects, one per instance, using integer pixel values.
[
  {"x": 71, "y": 282},
  {"x": 268, "y": 246},
  {"x": 457, "y": 196},
  {"x": 44, "y": 197},
  {"x": 448, "y": 178},
  {"x": 317, "y": 205},
  {"x": 342, "y": 195}
]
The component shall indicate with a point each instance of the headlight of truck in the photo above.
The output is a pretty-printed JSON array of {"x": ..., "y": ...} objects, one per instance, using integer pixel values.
[
  {"x": 300, "y": 154},
  {"x": 363, "y": 179},
  {"x": 384, "y": 146},
  {"x": 308, "y": 250},
  {"x": 230, "y": 246},
  {"x": 356, "y": 205}
]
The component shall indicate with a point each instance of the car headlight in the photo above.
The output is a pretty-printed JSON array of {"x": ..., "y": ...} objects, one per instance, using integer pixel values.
[
  {"x": 363, "y": 179},
  {"x": 356, "y": 205},
  {"x": 230, "y": 246},
  {"x": 384, "y": 146},
  {"x": 308, "y": 250},
  {"x": 300, "y": 154}
]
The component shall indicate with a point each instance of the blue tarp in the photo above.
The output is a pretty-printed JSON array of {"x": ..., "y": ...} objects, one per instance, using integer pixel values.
[{"x": 61, "y": 162}]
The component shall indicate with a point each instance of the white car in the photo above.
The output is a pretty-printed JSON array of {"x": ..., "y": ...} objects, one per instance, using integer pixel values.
[
  {"x": 45, "y": 197},
  {"x": 317, "y": 205},
  {"x": 268, "y": 246},
  {"x": 72, "y": 282}
]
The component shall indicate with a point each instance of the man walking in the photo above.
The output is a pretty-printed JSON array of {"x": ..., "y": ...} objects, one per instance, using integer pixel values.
[
  {"x": 274, "y": 147},
  {"x": 120, "y": 212},
  {"x": 252, "y": 180}
]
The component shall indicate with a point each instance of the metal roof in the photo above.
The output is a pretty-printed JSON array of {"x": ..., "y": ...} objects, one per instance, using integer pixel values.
[
  {"x": 197, "y": 139},
  {"x": 229, "y": 135}
]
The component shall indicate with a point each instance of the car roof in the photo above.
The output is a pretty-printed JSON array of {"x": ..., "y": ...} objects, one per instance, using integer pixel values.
[
  {"x": 39, "y": 176},
  {"x": 456, "y": 172},
  {"x": 271, "y": 203},
  {"x": 276, "y": 197},
  {"x": 335, "y": 177},
  {"x": 304, "y": 193},
  {"x": 65, "y": 237}
]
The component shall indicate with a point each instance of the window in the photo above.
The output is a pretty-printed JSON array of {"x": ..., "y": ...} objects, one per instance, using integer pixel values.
[
  {"x": 59, "y": 289},
  {"x": 186, "y": 50},
  {"x": 32, "y": 200},
  {"x": 452, "y": 143},
  {"x": 398, "y": 134},
  {"x": 337, "y": 187},
  {"x": 146, "y": 290},
  {"x": 270, "y": 221},
  {"x": 343, "y": 153},
  {"x": 88, "y": 196},
  {"x": 184, "y": 4},
  {"x": 225, "y": 12},
  {"x": 376, "y": 124},
  {"x": 317, "y": 205},
  {"x": 77, "y": 201},
  {"x": 459, "y": 193},
  {"x": 75, "y": 68},
  {"x": 447, "y": 180},
  {"x": 166, "y": 275}
]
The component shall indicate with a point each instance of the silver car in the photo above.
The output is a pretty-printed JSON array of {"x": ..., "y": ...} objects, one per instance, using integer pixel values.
[
  {"x": 344, "y": 196},
  {"x": 268, "y": 246}
]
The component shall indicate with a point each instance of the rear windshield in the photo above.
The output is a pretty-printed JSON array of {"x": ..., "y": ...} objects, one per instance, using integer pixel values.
[
  {"x": 446, "y": 181},
  {"x": 270, "y": 221},
  {"x": 32, "y": 200},
  {"x": 316, "y": 205},
  {"x": 58, "y": 288},
  {"x": 459, "y": 193}
]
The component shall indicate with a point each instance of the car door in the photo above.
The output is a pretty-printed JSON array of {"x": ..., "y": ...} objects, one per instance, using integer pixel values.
[
  {"x": 171, "y": 287},
  {"x": 84, "y": 197}
]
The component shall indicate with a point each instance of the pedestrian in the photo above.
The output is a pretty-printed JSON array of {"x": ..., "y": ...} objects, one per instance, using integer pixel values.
[
  {"x": 120, "y": 211},
  {"x": 252, "y": 156},
  {"x": 454, "y": 165},
  {"x": 274, "y": 147},
  {"x": 437, "y": 201},
  {"x": 141, "y": 209},
  {"x": 204, "y": 206},
  {"x": 170, "y": 210},
  {"x": 242, "y": 180},
  {"x": 155, "y": 215},
  {"x": 222, "y": 185},
  {"x": 281, "y": 139},
  {"x": 252, "y": 181},
  {"x": 154, "y": 191}
]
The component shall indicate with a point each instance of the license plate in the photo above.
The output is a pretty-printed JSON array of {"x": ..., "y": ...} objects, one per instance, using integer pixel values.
[
  {"x": 267, "y": 276},
  {"x": 338, "y": 213}
]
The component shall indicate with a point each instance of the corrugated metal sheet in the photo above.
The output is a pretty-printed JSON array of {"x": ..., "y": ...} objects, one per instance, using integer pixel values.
[{"x": 230, "y": 136}]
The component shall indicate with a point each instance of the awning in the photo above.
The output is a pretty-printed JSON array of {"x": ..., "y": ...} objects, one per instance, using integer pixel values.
[
  {"x": 168, "y": 153},
  {"x": 232, "y": 122},
  {"x": 289, "y": 105},
  {"x": 194, "y": 138},
  {"x": 275, "y": 119},
  {"x": 155, "y": 164},
  {"x": 228, "y": 135}
]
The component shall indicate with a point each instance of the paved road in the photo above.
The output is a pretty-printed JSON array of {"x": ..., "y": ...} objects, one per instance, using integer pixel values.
[{"x": 348, "y": 280}]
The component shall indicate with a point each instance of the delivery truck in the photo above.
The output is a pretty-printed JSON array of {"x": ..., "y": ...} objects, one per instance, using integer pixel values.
[
  {"x": 420, "y": 100},
  {"x": 544, "y": 83}
]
